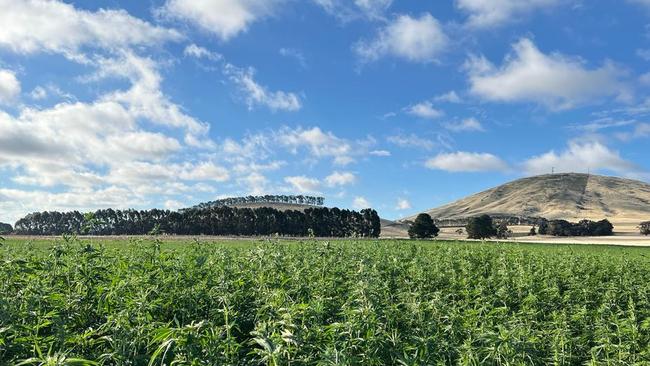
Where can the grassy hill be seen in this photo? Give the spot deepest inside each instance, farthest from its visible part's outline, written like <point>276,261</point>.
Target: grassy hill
<point>557,196</point>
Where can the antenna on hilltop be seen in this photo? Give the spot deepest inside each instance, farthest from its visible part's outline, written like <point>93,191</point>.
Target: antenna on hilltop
<point>553,170</point>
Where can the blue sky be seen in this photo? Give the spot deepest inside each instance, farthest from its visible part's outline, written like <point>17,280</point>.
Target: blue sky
<point>398,105</point>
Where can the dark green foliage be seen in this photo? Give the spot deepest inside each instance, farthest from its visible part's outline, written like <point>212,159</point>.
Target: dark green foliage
<point>644,228</point>
<point>480,227</point>
<point>5,229</point>
<point>543,227</point>
<point>532,231</point>
<point>582,228</point>
<point>502,231</point>
<point>218,220</point>
<point>324,303</point>
<point>234,201</point>
<point>423,227</point>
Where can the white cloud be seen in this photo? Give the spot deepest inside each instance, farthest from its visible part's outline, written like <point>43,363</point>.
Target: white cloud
<point>347,10</point>
<point>580,156</point>
<point>174,205</point>
<point>462,161</point>
<point>196,51</point>
<point>380,153</point>
<point>9,86</point>
<point>411,141</point>
<point>223,18</point>
<point>555,80</point>
<point>295,54</point>
<point>414,39</point>
<point>39,93</point>
<point>304,184</point>
<point>424,110</point>
<point>359,203</point>
<point>256,94</point>
<point>449,97</point>
<point>320,144</point>
<point>340,179</point>
<point>403,204</point>
<point>466,125</point>
<point>490,13</point>
<point>54,26</point>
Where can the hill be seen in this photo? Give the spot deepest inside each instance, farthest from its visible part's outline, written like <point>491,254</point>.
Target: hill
<point>569,196</point>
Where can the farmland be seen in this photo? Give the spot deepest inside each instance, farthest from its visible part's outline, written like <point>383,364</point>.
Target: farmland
<point>370,302</point>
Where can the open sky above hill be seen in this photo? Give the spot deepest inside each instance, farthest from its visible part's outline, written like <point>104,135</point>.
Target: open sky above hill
<point>398,105</point>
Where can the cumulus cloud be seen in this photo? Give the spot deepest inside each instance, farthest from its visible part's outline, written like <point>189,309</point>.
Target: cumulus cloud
<point>223,18</point>
<point>403,204</point>
<point>449,97</point>
<point>9,86</point>
<point>462,161</point>
<point>424,110</point>
<point>340,179</point>
<point>256,94</point>
<point>319,144</point>
<point>61,28</point>
<point>414,39</point>
<point>579,156</point>
<point>360,202</point>
<point>465,125</point>
<point>304,184</point>
<point>556,81</point>
<point>490,13</point>
<point>196,51</point>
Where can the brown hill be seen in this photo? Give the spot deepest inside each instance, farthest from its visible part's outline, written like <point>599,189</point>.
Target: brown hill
<point>557,196</point>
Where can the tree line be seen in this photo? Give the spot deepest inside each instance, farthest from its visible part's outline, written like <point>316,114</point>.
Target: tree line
<point>483,227</point>
<point>234,201</point>
<point>218,220</point>
<point>581,228</point>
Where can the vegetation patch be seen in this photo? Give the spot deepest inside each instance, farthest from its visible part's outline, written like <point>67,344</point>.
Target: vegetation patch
<point>323,303</point>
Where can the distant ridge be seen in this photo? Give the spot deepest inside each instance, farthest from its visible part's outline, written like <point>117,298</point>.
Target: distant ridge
<point>568,196</point>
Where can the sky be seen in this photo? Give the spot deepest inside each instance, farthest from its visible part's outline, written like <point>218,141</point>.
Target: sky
<point>399,105</point>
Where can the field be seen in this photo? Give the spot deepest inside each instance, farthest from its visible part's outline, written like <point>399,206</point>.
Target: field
<point>260,302</point>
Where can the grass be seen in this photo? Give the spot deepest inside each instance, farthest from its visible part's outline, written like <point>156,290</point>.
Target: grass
<point>151,302</point>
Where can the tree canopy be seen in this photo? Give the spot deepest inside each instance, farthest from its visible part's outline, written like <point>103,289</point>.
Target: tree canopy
<point>423,227</point>
<point>234,201</point>
<point>480,227</point>
<point>220,220</point>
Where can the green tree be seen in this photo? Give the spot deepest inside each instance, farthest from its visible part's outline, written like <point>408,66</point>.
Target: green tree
<point>423,227</point>
<point>644,228</point>
<point>480,227</point>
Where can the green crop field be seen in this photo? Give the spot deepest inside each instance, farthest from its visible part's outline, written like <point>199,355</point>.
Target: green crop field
<point>257,302</point>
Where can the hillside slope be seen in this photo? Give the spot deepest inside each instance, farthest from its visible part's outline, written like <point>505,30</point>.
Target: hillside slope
<point>567,196</point>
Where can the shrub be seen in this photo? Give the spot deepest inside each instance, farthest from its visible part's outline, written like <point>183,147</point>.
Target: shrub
<point>644,228</point>
<point>480,227</point>
<point>423,227</point>
<point>543,227</point>
<point>532,231</point>
<point>5,229</point>
<point>502,230</point>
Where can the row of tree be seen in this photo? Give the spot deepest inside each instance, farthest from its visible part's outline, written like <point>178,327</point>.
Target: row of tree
<point>482,227</point>
<point>222,220</point>
<point>581,228</point>
<point>234,201</point>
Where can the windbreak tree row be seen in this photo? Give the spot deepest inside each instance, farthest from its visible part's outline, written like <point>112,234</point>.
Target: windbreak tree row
<point>222,220</point>
<point>296,200</point>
